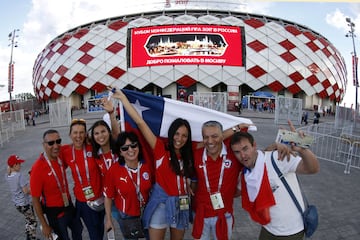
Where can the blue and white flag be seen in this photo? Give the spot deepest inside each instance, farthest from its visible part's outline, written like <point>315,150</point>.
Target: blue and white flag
<point>159,113</point>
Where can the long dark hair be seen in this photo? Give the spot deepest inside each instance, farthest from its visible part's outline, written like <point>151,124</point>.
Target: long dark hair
<point>95,145</point>
<point>186,151</point>
<point>120,141</point>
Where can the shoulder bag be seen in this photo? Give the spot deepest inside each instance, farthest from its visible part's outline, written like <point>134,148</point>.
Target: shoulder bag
<point>310,215</point>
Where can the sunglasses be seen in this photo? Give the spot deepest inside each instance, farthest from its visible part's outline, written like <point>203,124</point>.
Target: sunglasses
<point>78,120</point>
<point>126,147</point>
<point>57,141</point>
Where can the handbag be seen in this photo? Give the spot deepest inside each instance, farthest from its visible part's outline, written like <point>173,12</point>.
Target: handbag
<point>132,228</point>
<point>310,215</point>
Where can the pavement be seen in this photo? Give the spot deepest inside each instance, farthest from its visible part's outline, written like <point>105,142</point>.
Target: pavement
<point>335,194</point>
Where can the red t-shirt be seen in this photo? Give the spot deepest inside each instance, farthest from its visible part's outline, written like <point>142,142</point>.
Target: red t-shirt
<point>164,175</point>
<point>213,168</point>
<point>79,163</point>
<point>43,182</point>
<point>105,161</point>
<point>120,186</point>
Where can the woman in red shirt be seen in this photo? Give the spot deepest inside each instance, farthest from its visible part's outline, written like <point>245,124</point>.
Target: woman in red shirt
<point>128,182</point>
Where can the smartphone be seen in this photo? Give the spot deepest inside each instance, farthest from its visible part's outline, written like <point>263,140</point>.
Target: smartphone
<point>289,137</point>
<point>111,234</point>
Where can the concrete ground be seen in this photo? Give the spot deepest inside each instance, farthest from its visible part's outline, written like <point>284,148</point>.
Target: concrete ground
<point>335,194</point>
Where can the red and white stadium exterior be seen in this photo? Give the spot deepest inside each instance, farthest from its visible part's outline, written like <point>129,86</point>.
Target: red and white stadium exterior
<point>280,56</point>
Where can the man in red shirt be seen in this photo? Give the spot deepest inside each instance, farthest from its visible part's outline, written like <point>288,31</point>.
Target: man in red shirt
<point>50,191</point>
<point>217,172</point>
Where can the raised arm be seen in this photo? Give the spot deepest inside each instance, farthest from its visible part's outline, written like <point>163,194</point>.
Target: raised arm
<point>109,108</point>
<point>227,133</point>
<point>309,163</point>
<point>135,116</point>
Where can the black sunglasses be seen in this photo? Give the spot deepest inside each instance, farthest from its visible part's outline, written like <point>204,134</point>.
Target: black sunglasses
<point>57,141</point>
<point>126,147</point>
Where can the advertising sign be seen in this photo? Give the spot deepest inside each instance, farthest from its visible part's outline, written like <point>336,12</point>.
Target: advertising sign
<point>186,44</point>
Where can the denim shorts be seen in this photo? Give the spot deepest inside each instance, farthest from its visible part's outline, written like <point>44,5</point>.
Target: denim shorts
<point>158,219</point>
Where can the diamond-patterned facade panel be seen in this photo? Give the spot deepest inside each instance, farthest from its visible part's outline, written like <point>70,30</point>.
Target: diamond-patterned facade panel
<point>116,72</point>
<point>81,33</point>
<point>86,47</point>
<point>81,90</point>
<point>287,44</point>
<point>255,23</point>
<point>117,25</point>
<point>294,88</point>
<point>288,57</point>
<point>293,30</point>
<point>296,76</point>
<point>85,59</point>
<point>63,81</point>
<point>312,46</point>
<point>278,55</point>
<point>186,81</point>
<point>79,78</point>
<point>276,86</point>
<point>257,46</point>
<point>256,71</point>
<point>115,47</point>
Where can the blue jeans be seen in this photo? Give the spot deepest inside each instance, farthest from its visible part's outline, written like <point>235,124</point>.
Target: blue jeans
<point>93,220</point>
<point>60,219</point>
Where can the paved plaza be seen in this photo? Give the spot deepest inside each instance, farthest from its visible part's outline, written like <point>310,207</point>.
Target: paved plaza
<point>335,194</point>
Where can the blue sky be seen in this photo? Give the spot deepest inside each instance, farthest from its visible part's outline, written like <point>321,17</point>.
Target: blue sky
<point>40,21</point>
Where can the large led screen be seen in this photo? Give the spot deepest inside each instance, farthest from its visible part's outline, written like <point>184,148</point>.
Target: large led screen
<point>186,44</point>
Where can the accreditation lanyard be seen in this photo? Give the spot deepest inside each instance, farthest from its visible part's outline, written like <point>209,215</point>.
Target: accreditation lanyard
<point>86,166</point>
<point>206,175</point>
<point>137,184</point>
<point>62,189</point>
<point>178,180</point>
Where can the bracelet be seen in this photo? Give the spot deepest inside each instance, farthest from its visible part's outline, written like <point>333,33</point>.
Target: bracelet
<point>111,112</point>
<point>234,129</point>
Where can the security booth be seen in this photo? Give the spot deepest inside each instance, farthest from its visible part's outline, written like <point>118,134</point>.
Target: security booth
<point>259,101</point>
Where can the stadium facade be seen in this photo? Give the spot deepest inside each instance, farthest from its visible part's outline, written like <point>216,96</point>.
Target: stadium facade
<point>175,52</point>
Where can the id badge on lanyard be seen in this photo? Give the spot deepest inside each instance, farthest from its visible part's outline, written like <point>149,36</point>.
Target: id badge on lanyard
<point>215,198</point>
<point>88,192</point>
<point>184,202</point>
<point>217,201</point>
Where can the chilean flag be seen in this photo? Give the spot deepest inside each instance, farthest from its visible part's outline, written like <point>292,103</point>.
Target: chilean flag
<point>159,113</point>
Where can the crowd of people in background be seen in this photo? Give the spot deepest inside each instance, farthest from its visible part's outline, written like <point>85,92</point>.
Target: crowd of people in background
<point>263,105</point>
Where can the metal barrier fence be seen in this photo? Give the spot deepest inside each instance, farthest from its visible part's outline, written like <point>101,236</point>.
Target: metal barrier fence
<point>336,145</point>
<point>11,122</point>
<point>213,100</point>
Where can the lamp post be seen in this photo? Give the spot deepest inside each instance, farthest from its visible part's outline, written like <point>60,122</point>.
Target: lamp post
<point>354,61</point>
<point>13,43</point>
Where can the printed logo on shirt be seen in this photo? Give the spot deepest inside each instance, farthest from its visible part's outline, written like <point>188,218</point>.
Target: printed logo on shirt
<point>123,179</point>
<point>201,166</point>
<point>273,186</point>
<point>89,154</point>
<point>146,176</point>
<point>227,163</point>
